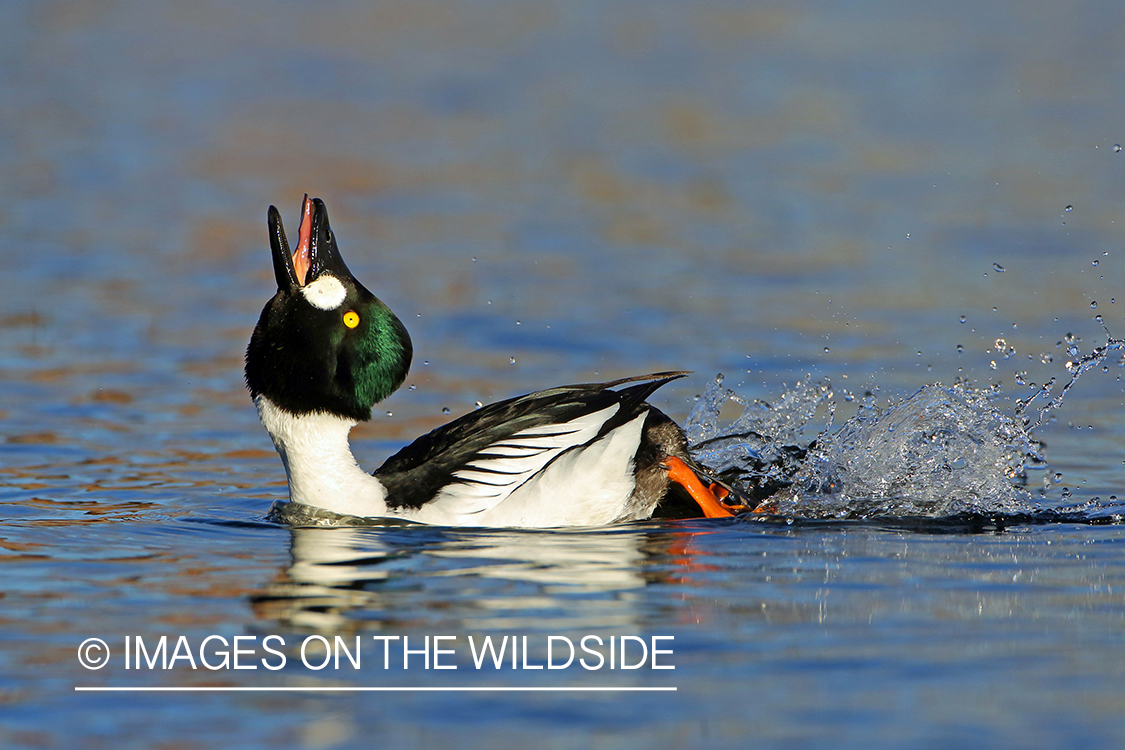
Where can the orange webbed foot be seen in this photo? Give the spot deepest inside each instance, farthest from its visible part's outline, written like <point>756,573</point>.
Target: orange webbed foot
<point>680,473</point>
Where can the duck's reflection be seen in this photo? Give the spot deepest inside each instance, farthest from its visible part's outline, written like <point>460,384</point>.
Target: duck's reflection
<point>331,572</point>
<point>342,579</point>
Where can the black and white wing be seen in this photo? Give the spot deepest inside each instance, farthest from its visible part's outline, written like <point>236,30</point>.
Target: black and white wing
<point>556,457</point>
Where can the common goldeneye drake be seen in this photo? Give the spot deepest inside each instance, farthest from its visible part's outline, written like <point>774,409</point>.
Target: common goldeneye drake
<point>326,350</point>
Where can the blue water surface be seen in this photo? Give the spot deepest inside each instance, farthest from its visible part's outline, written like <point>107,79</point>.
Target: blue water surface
<point>879,195</point>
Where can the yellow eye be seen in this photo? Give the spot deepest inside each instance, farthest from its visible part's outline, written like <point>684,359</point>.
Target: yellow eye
<point>351,319</point>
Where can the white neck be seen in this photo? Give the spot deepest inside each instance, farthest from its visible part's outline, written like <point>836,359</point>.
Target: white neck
<point>319,464</point>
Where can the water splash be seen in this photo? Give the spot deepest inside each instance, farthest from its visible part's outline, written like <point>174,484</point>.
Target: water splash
<point>1077,365</point>
<point>944,451</point>
<point>761,449</point>
<point>940,452</point>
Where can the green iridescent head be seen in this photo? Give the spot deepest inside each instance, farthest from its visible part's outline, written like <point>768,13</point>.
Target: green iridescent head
<point>323,343</point>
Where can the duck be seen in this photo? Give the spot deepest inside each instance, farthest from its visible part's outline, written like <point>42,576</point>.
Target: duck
<point>326,350</point>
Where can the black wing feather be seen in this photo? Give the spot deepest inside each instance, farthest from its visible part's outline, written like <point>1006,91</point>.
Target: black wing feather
<point>418,472</point>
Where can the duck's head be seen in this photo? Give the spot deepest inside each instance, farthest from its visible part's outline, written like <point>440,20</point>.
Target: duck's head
<point>324,344</point>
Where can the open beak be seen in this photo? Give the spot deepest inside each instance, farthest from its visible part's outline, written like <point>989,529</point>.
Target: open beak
<point>316,253</point>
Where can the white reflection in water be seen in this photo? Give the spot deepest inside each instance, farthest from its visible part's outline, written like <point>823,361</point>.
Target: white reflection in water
<point>344,578</point>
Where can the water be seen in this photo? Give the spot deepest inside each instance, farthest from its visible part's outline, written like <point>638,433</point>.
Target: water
<point>784,194</point>
<point>943,451</point>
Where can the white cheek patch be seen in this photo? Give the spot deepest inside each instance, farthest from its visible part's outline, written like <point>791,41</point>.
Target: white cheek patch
<point>326,293</point>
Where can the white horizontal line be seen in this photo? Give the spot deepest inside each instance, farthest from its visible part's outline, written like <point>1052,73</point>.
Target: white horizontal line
<point>360,689</point>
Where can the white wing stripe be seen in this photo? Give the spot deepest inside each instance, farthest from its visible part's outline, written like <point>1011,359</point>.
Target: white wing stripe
<point>500,450</point>
<point>576,425</point>
<point>501,468</point>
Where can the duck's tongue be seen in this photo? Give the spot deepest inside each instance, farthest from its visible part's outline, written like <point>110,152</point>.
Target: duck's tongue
<point>302,256</point>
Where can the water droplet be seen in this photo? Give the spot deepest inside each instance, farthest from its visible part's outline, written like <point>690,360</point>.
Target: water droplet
<point>474,259</point>
<point>1066,493</point>
<point>1093,262</point>
<point>390,414</point>
<point>425,362</point>
<point>1001,345</point>
<point>992,364</point>
<point>517,322</point>
<point>962,318</point>
<point>1098,318</point>
<point>1056,477</point>
<point>826,350</point>
<point>960,348</point>
<point>1068,209</point>
<point>479,405</point>
<point>1093,304</point>
<point>511,360</point>
<point>997,268</point>
<point>1046,358</point>
<point>445,410</point>
<point>411,387</point>
<point>919,353</point>
<point>1117,148</point>
<point>1021,378</point>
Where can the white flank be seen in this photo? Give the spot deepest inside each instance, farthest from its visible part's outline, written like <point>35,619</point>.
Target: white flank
<point>319,464</point>
<point>326,293</point>
<point>533,479</point>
